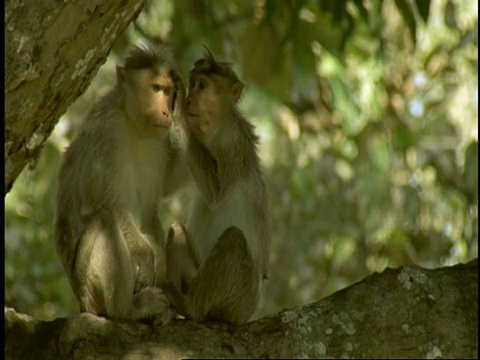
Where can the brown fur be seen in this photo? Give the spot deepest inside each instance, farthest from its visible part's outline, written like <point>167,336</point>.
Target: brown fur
<point>112,179</point>
<point>228,230</point>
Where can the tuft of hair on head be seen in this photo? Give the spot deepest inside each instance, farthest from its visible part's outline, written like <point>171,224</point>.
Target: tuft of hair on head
<point>209,65</point>
<point>144,56</point>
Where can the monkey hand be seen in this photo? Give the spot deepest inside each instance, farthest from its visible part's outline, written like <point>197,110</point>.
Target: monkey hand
<point>166,318</point>
<point>151,304</point>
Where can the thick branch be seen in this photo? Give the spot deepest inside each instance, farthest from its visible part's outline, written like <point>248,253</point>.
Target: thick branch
<point>52,51</point>
<point>407,313</point>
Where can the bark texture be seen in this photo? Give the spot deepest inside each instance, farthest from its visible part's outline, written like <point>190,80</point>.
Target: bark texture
<point>408,312</point>
<point>52,51</point>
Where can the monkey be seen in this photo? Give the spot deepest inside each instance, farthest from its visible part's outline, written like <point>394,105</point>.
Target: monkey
<point>216,264</point>
<point>112,180</point>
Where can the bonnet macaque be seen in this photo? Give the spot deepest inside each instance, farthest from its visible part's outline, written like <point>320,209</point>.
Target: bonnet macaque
<point>113,177</point>
<point>216,264</point>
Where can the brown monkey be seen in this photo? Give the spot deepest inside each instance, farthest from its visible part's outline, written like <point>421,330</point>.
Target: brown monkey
<point>217,264</point>
<point>112,179</point>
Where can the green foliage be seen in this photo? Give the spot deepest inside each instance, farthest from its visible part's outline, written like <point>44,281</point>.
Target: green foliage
<point>367,114</point>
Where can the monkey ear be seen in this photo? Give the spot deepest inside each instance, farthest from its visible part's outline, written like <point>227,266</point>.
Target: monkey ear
<point>120,74</point>
<point>237,90</point>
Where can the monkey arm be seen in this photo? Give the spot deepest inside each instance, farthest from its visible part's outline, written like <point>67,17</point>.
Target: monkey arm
<point>214,168</point>
<point>204,170</point>
<point>177,173</point>
<point>202,165</point>
<point>176,299</point>
<point>179,106</point>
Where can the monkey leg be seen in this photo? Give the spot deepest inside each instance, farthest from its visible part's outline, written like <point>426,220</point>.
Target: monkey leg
<point>226,287</point>
<point>176,299</point>
<point>104,276</point>
<point>149,262</point>
<point>152,304</point>
<point>182,263</point>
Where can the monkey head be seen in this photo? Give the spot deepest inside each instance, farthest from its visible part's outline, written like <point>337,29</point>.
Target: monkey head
<point>214,89</point>
<point>148,82</point>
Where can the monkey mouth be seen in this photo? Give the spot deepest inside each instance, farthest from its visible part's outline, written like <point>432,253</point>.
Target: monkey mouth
<point>161,126</point>
<point>192,115</point>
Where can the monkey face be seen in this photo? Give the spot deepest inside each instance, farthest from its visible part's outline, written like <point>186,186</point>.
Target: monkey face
<point>209,103</point>
<point>149,97</point>
<point>203,103</point>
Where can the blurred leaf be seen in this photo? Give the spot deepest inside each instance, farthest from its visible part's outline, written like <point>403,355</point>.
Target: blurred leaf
<point>293,21</point>
<point>339,11</point>
<point>336,8</point>
<point>352,120</point>
<point>423,7</point>
<point>403,137</point>
<point>258,56</point>
<point>407,14</point>
<point>361,8</point>
<point>343,251</point>
<point>270,10</point>
<point>381,154</point>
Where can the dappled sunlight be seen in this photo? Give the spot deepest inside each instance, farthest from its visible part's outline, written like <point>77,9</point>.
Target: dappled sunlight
<point>368,142</point>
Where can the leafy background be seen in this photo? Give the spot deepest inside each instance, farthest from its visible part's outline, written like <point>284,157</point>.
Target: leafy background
<point>367,114</point>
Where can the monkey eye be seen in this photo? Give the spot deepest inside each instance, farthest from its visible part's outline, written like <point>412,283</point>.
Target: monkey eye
<point>156,87</point>
<point>202,85</point>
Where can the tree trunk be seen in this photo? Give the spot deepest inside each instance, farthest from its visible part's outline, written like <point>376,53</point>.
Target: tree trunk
<point>53,49</point>
<point>408,312</point>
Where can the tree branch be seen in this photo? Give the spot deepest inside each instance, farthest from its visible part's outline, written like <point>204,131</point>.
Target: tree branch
<point>53,49</point>
<point>408,312</point>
